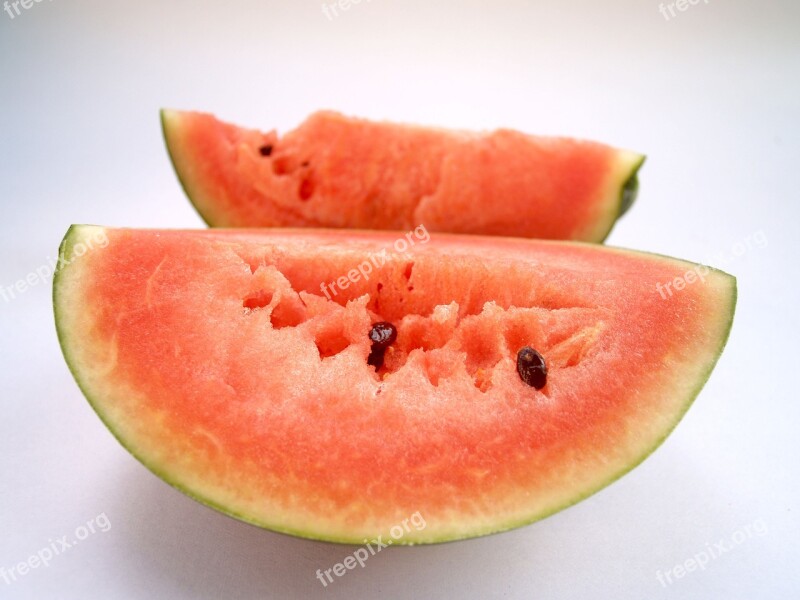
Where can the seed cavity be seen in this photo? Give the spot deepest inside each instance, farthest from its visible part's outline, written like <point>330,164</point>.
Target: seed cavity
<point>531,367</point>
<point>383,334</point>
<point>306,189</point>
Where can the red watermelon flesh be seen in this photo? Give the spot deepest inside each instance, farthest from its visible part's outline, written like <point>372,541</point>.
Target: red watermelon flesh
<point>340,172</point>
<point>217,359</point>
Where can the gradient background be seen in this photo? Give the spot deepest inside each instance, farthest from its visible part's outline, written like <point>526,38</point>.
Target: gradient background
<point>712,96</point>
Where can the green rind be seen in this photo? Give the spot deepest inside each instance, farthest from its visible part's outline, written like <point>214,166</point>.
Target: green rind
<point>630,189</point>
<point>66,246</point>
<point>168,131</point>
<point>629,192</point>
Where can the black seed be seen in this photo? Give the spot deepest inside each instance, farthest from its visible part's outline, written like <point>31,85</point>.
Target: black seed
<point>382,335</point>
<point>265,150</point>
<point>375,358</point>
<point>531,367</point>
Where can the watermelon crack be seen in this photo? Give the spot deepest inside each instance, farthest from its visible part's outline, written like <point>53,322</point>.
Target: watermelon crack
<point>482,346</point>
<point>461,341</point>
<point>259,299</point>
<point>331,342</point>
<point>285,163</point>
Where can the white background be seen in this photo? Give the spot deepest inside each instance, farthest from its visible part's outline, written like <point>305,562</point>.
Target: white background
<point>711,95</point>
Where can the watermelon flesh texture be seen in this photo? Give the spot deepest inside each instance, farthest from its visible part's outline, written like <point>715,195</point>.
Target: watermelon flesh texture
<point>215,358</point>
<point>340,172</point>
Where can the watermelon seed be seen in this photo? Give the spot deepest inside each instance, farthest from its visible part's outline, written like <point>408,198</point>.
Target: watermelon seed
<point>382,335</point>
<point>375,358</point>
<point>531,367</point>
<point>265,150</point>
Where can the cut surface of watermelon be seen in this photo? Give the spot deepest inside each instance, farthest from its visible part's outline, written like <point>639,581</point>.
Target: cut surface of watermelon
<point>234,365</point>
<point>341,172</point>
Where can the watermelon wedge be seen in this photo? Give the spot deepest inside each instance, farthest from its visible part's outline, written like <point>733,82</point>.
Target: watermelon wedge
<point>240,366</point>
<point>340,172</point>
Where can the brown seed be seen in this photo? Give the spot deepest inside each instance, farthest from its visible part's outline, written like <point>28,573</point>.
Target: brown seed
<point>265,150</point>
<point>531,367</point>
<point>382,335</point>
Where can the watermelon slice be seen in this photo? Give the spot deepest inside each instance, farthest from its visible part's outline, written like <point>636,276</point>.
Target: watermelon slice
<point>335,171</point>
<point>238,365</point>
